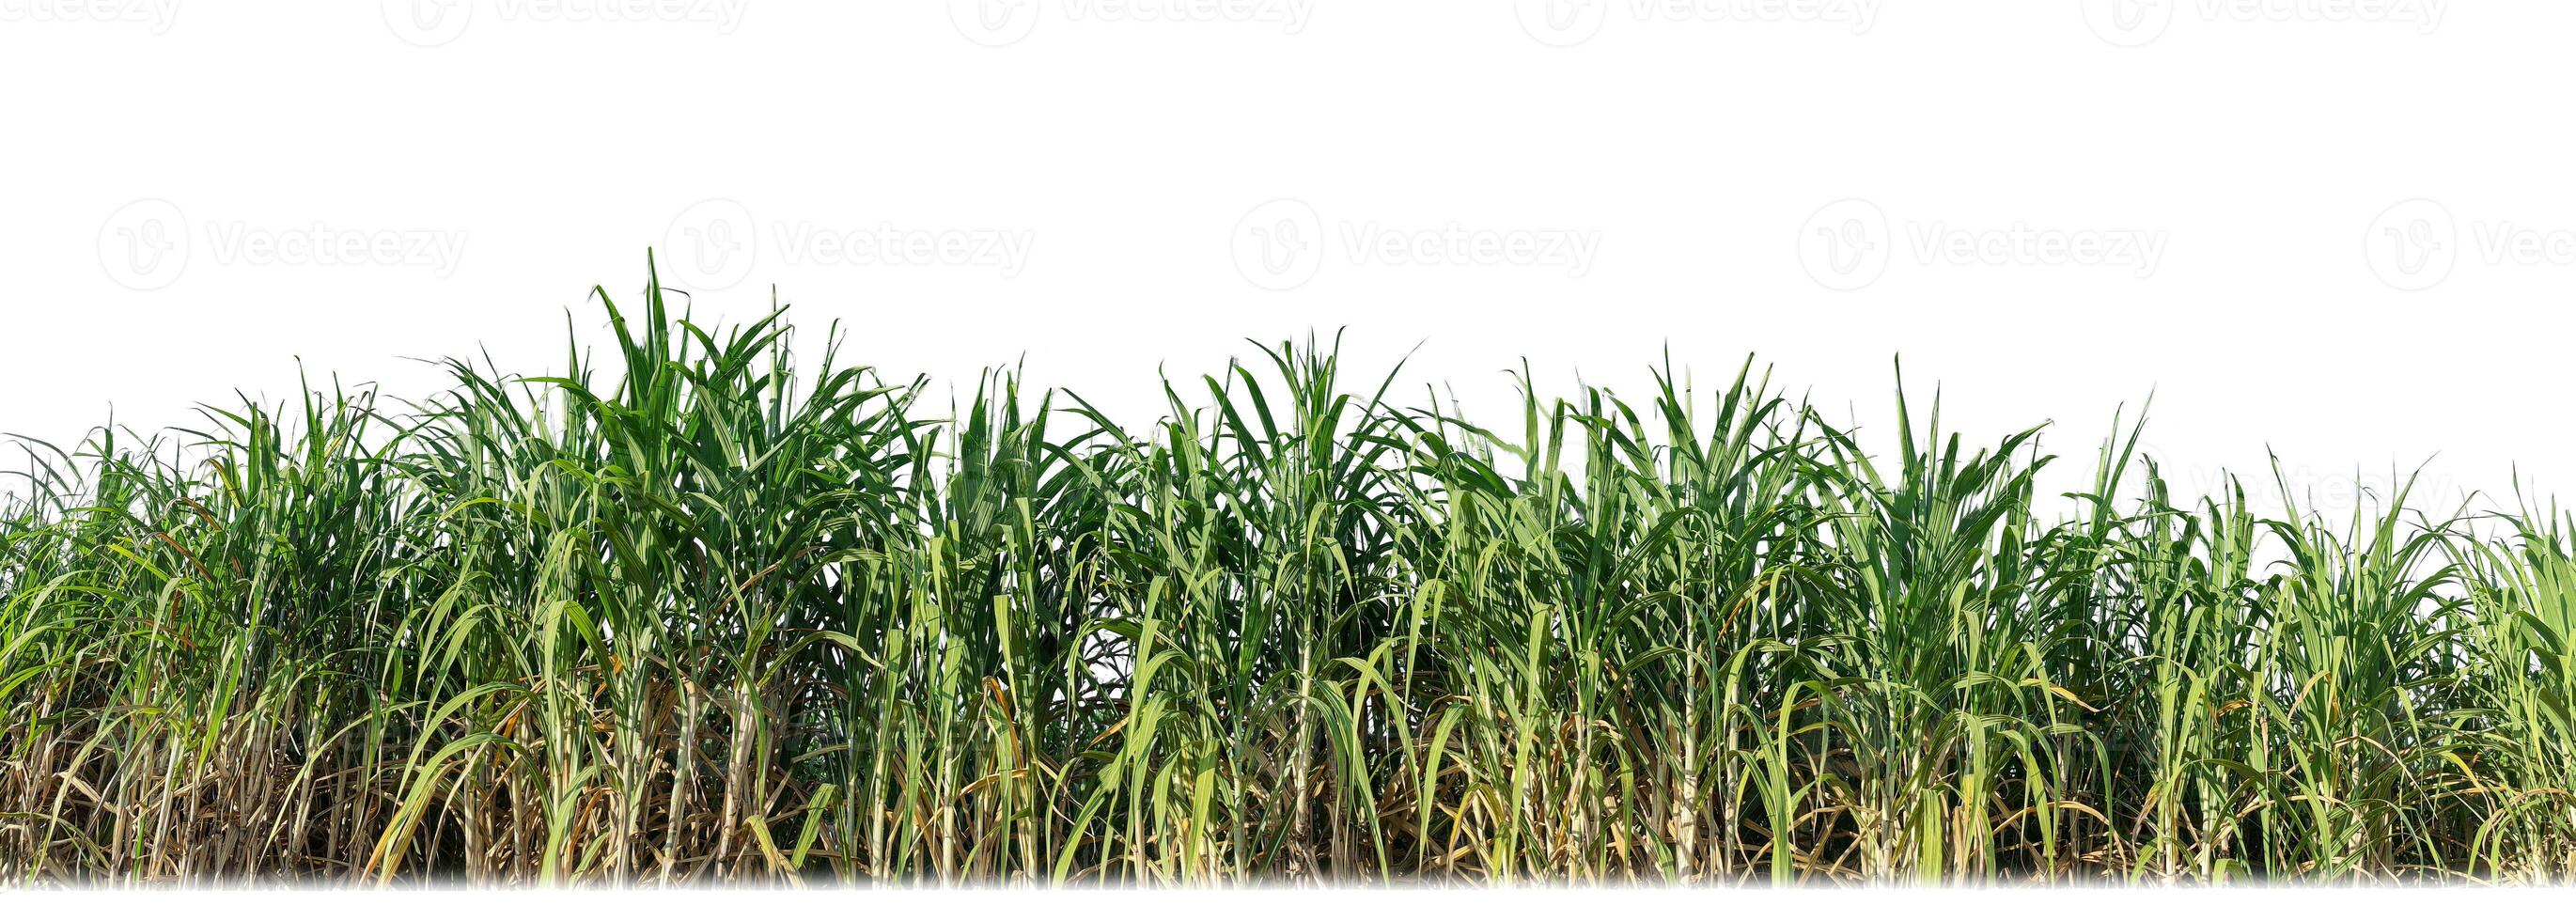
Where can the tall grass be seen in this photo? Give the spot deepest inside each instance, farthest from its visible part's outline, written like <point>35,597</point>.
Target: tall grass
<point>708,612</point>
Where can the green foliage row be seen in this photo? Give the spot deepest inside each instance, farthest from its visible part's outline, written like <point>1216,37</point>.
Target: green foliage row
<point>694,616</point>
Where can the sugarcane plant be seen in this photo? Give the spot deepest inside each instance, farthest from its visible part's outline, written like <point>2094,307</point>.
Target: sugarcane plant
<point>701,608</point>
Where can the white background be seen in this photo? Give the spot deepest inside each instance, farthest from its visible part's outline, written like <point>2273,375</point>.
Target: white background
<point>151,156</point>
<point>2360,211</point>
